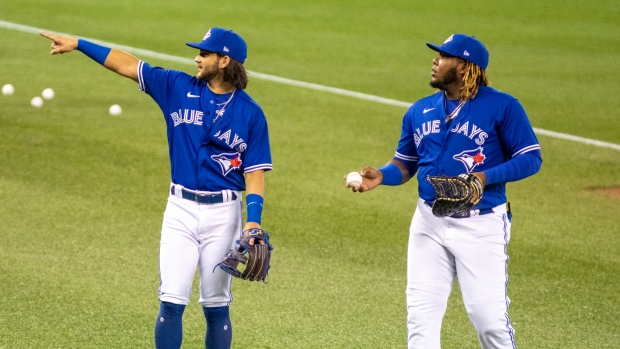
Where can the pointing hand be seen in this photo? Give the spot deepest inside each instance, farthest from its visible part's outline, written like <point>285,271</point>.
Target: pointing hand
<point>61,44</point>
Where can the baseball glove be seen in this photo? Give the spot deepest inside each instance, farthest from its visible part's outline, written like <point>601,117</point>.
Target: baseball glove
<point>455,195</point>
<point>255,257</point>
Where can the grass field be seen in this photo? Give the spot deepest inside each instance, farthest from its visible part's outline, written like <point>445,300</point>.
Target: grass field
<point>82,193</point>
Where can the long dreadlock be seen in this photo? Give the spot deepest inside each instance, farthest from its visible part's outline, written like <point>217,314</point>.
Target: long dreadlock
<point>474,78</point>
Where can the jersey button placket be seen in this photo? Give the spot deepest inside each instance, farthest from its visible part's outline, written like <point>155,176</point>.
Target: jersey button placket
<point>441,159</point>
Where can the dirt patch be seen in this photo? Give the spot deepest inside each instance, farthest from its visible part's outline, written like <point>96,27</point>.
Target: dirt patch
<point>612,192</point>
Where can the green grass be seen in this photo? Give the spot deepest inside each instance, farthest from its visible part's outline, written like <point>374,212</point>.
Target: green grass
<point>82,193</point>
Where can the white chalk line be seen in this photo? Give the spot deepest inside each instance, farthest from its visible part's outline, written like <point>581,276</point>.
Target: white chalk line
<point>317,87</point>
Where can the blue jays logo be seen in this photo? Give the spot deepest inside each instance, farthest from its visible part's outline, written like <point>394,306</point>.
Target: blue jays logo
<point>471,158</point>
<point>207,35</point>
<point>228,162</point>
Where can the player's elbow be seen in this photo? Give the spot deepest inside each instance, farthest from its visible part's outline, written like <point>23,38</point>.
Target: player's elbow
<point>123,64</point>
<point>128,71</point>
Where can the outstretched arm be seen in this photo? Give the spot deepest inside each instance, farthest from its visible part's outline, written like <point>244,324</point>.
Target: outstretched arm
<point>115,60</point>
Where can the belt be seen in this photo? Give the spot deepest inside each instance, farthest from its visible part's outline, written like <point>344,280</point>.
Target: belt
<point>465,214</point>
<point>203,197</point>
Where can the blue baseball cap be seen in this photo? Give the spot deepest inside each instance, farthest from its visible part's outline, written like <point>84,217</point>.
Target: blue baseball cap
<point>466,47</point>
<point>223,41</point>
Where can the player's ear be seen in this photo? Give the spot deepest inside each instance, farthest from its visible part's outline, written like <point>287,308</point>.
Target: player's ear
<point>224,62</point>
<point>462,67</point>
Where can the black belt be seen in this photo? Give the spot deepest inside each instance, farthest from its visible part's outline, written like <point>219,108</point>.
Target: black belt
<point>202,198</point>
<point>465,214</point>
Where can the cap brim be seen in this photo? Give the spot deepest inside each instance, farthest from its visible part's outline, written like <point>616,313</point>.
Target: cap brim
<point>201,46</point>
<point>435,47</point>
<point>194,45</point>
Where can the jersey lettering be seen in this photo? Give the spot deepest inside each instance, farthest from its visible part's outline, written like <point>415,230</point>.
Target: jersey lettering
<point>237,143</point>
<point>474,131</point>
<point>224,137</point>
<point>427,128</point>
<point>187,116</point>
<point>481,138</point>
<point>464,129</point>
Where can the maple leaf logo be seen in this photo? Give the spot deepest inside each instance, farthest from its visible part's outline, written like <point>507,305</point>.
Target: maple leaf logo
<point>236,162</point>
<point>479,158</point>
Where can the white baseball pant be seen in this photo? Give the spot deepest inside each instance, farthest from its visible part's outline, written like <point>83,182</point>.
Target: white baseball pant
<point>472,249</point>
<point>197,235</point>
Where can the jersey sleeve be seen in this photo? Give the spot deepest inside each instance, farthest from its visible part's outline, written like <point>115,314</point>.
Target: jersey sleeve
<point>156,82</point>
<point>516,132</point>
<point>258,154</point>
<point>406,152</point>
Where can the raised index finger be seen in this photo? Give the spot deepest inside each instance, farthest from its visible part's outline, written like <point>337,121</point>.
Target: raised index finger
<point>47,35</point>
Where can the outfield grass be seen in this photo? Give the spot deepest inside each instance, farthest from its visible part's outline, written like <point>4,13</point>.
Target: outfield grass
<point>82,193</point>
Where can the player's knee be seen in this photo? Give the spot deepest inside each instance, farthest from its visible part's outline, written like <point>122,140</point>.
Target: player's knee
<point>169,326</point>
<point>492,330</point>
<point>499,336</point>
<point>171,309</point>
<point>219,328</point>
<point>425,305</point>
<point>216,314</point>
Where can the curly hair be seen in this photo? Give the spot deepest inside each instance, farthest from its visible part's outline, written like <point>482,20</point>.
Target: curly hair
<point>472,80</point>
<point>235,74</point>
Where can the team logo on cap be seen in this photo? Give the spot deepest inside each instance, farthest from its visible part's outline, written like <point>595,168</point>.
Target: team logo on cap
<point>207,35</point>
<point>449,39</point>
<point>471,158</point>
<point>227,162</point>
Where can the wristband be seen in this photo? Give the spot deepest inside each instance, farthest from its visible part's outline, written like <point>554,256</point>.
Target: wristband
<point>254,204</point>
<point>96,52</point>
<point>391,175</point>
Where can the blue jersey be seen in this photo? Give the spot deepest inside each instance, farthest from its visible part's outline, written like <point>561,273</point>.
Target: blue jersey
<point>211,144</point>
<point>488,131</point>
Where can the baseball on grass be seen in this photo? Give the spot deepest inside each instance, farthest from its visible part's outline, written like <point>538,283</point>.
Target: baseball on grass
<point>354,180</point>
<point>115,110</point>
<point>48,93</point>
<point>36,102</point>
<point>8,90</point>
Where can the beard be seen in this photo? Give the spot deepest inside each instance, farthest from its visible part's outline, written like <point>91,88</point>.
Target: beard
<point>448,79</point>
<point>210,74</point>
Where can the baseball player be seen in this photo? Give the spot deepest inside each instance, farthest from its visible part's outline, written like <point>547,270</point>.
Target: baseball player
<point>219,146</point>
<point>467,127</point>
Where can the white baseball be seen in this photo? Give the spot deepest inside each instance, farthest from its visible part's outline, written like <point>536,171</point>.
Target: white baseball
<point>48,93</point>
<point>354,180</point>
<point>115,110</point>
<point>36,102</point>
<point>8,90</point>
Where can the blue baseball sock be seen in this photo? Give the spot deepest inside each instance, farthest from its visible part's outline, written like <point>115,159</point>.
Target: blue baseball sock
<point>169,326</point>
<point>219,328</point>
